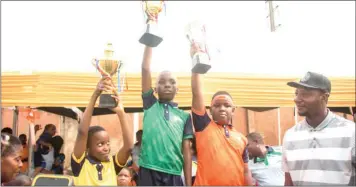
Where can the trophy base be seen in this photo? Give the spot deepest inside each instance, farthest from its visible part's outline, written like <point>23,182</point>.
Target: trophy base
<point>150,38</point>
<point>201,63</point>
<point>106,101</point>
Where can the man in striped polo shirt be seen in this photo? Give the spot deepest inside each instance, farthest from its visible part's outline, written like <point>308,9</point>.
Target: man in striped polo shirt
<point>320,149</point>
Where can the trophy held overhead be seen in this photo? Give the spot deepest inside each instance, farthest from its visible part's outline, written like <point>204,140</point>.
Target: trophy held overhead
<point>196,34</point>
<point>152,9</point>
<point>108,65</point>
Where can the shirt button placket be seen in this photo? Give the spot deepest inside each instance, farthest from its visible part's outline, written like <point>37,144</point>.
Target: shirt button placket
<point>166,113</point>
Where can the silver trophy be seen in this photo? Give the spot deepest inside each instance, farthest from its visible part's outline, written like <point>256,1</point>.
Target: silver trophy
<point>196,34</point>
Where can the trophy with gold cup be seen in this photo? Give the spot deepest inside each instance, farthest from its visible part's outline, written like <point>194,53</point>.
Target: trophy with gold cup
<point>152,9</point>
<point>196,34</point>
<point>108,66</point>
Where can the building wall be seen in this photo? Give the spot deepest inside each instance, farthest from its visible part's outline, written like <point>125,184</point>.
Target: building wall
<point>244,120</point>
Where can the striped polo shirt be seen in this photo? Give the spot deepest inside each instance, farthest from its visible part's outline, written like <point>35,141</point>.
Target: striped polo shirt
<point>321,155</point>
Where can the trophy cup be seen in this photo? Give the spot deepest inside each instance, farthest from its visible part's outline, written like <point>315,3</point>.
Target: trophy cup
<point>152,9</point>
<point>107,66</point>
<point>196,34</point>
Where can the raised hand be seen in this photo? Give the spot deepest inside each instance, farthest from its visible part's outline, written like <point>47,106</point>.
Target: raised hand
<point>105,84</point>
<point>120,107</point>
<point>194,48</point>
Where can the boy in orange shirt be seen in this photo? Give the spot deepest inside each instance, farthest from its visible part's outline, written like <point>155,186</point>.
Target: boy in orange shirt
<point>221,150</point>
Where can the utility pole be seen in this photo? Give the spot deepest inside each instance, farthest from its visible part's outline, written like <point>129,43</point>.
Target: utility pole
<point>271,15</point>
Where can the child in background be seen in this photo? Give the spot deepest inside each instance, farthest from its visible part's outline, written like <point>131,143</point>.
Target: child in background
<point>24,156</point>
<point>126,177</point>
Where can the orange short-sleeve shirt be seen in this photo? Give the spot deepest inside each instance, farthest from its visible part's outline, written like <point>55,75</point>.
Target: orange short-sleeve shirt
<point>221,153</point>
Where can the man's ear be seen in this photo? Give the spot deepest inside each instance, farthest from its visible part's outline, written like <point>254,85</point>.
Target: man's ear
<point>233,110</point>
<point>326,97</point>
<point>177,89</point>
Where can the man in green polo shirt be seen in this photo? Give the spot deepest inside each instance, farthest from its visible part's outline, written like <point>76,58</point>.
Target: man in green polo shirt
<point>167,131</point>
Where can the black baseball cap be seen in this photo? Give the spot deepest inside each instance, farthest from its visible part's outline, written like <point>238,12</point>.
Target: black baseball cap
<point>313,81</point>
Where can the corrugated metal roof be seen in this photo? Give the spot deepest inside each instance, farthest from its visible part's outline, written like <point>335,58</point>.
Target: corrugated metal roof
<point>75,89</point>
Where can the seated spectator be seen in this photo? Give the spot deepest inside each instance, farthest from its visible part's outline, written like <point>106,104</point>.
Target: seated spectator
<point>57,143</point>
<point>24,156</point>
<point>10,158</point>
<point>58,165</point>
<point>6,130</point>
<point>44,154</point>
<point>20,180</point>
<point>265,162</point>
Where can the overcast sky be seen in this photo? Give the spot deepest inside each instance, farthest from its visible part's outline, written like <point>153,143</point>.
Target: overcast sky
<point>64,36</point>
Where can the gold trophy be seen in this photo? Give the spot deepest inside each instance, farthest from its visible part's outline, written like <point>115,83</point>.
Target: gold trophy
<point>196,34</point>
<point>107,66</point>
<point>152,9</point>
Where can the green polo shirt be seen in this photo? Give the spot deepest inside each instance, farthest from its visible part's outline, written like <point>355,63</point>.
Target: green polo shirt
<point>164,128</point>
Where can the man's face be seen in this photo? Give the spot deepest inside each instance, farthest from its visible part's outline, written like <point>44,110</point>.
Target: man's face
<point>222,109</point>
<point>309,101</point>
<point>166,86</point>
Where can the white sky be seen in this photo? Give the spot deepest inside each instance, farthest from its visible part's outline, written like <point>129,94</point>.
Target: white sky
<point>64,36</point>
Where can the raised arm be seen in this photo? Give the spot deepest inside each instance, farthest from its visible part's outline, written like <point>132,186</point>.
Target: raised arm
<point>146,70</point>
<point>197,86</point>
<point>81,141</point>
<point>125,151</point>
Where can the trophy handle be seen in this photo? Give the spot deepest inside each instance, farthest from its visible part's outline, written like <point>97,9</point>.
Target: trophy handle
<point>95,63</point>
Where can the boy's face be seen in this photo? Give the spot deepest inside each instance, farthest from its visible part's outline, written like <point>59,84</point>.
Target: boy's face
<point>166,86</point>
<point>11,164</point>
<point>100,146</point>
<point>222,109</point>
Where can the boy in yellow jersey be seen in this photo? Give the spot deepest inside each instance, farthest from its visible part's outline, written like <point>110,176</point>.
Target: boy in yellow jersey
<point>92,164</point>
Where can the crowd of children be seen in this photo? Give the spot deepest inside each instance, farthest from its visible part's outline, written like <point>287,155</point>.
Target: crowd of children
<point>176,148</point>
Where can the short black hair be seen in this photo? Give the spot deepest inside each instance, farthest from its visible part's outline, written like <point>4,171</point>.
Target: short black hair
<point>14,143</point>
<point>92,130</point>
<point>57,143</point>
<point>139,132</point>
<point>7,130</point>
<point>221,93</point>
<point>23,135</point>
<point>48,126</point>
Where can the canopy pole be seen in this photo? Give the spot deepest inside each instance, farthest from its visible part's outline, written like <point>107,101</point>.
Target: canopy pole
<point>15,121</point>
<point>279,125</point>
<point>135,124</point>
<point>31,144</point>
